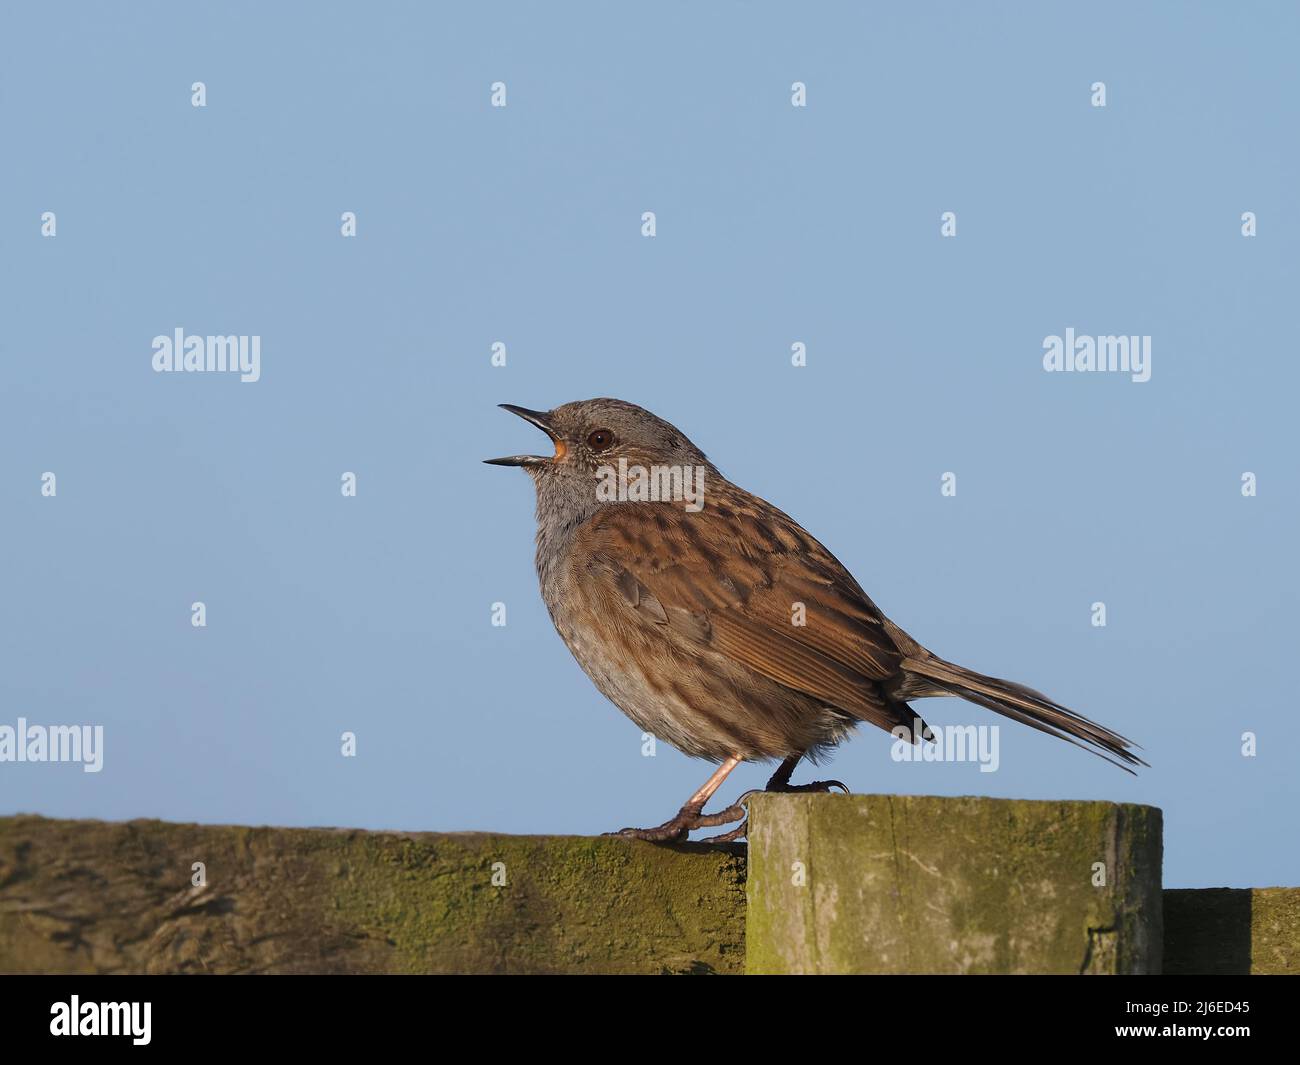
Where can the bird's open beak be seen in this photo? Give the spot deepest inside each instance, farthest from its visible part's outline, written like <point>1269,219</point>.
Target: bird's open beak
<point>541,419</point>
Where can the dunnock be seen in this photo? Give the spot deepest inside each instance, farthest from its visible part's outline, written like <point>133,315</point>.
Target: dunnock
<point>716,623</point>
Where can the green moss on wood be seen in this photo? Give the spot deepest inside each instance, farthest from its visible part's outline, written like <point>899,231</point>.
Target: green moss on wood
<point>86,896</point>
<point>893,884</point>
<point>917,884</point>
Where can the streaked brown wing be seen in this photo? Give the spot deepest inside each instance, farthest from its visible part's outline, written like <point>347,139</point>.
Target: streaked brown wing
<point>728,579</point>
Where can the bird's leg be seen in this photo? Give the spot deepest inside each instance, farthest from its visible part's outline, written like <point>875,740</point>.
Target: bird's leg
<point>781,779</point>
<point>691,816</point>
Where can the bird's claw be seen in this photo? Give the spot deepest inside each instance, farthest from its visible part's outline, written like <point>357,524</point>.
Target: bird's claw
<point>741,829</point>
<point>819,786</point>
<point>679,828</point>
<point>736,833</point>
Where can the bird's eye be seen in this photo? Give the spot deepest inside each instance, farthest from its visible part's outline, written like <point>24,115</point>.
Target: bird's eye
<point>600,439</point>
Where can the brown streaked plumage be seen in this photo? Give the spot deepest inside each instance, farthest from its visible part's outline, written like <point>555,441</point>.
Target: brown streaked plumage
<point>684,617</point>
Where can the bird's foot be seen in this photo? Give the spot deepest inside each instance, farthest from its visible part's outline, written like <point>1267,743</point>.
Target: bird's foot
<point>816,785</point>
<point>739,832</point>
<point>689,818</point>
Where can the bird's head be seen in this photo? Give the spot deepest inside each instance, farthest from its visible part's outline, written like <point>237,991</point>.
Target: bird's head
<point>599,439</point>
<point>590,434</point>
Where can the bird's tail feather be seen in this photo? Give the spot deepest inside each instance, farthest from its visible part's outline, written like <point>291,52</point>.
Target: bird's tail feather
<point>1027,706</point>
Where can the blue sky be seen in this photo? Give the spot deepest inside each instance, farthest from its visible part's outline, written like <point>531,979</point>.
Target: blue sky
<point>522,225</point>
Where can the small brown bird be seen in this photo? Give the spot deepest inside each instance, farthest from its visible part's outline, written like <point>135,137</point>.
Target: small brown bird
<point>681,595</point>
